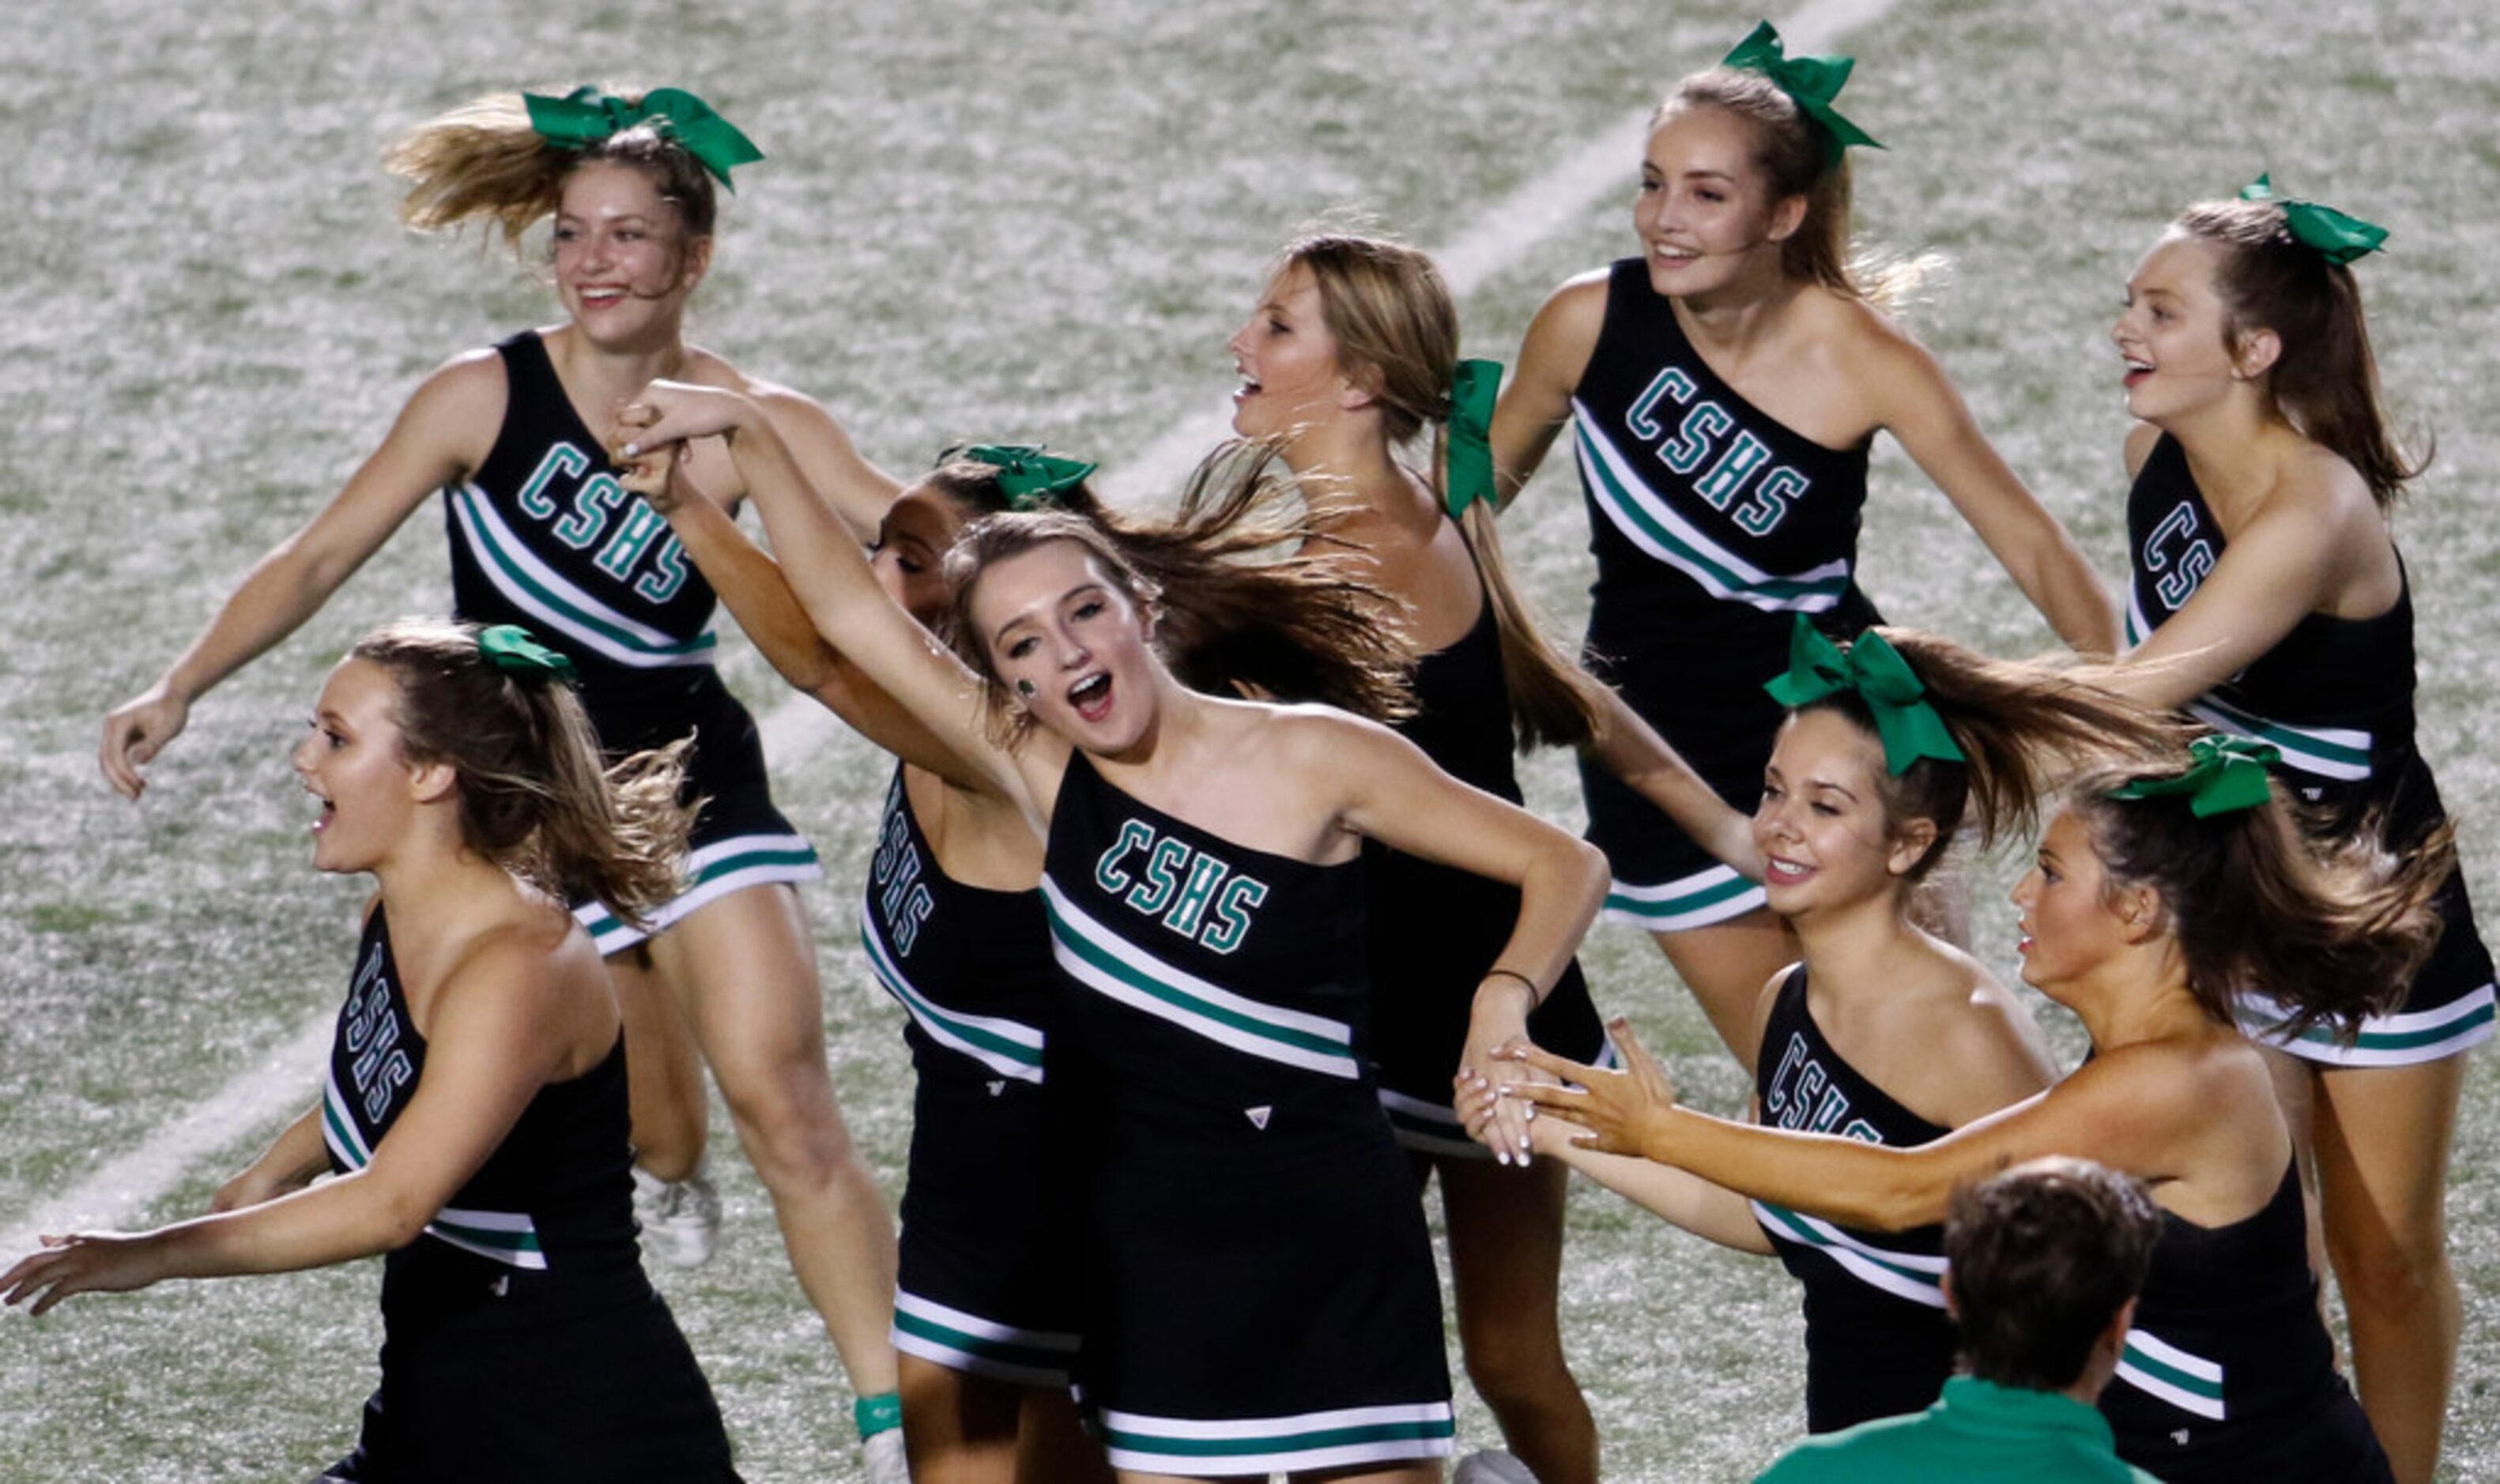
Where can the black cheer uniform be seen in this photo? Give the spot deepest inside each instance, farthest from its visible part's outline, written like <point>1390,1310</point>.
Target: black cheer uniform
<point>1260,1294</point>
<point>545,536</point>
<point>2228,1373</point>
<point>2336,697</point>
<point>1434,931</point>
<point>1712,526</point>
<point>520,1339</point>
<point>987,1282</point>
<point>1878,1342</point>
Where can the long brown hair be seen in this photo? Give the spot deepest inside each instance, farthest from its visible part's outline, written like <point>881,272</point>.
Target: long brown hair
<point>532,797</point>
<point>2330,928</point>
<point>2325,381</point>
<point>483,161</point>
<point>2023,727</point>
<point>1233,612</point>
<point>1396,326</point>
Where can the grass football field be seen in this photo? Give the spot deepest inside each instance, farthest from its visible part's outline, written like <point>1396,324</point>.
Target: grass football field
<point>1036,222</point>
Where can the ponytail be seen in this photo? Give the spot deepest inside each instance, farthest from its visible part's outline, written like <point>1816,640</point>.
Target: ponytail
<point>532,795</point>
<point>2022,726</point>
<point>2325,381</point>
<point>2331,930</point>
<point>485,162</point>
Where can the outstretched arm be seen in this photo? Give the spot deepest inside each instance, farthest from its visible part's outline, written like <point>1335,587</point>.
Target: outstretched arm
<point>826,569</point>
<point>435,442</point>
<point>1712,1212</point>
<point>498,1035</point>
<point>1924,409</point>
<point>2127,1109</point>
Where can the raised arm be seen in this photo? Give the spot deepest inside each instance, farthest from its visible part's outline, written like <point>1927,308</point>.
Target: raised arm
<point>858,490</point>
<point>751,584</point>
<point>440,435</point>
<point>1536,401</point>
<point>499,1032</point>
<point>1923,410</point>
<point>826,567</point>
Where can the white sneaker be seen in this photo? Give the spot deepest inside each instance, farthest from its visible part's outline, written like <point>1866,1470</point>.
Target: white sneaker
<point>681,1219</point>
<point>1491,1466</point>
<point>884,1456</point>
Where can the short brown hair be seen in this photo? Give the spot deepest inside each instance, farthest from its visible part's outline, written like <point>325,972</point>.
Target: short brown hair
<point>2041,1256</point>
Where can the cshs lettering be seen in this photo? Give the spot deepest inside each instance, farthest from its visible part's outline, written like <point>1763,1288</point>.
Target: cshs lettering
<point>1709,447</point>
<point>585,511</point>
<point>381,1064</point>
<point>1190,892</point>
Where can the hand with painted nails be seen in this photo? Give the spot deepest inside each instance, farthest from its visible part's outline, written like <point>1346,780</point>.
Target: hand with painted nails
<point>83,1262</point>
<point>1499,1021</point>
<point>1617,1112</point>
<point>665,412</point>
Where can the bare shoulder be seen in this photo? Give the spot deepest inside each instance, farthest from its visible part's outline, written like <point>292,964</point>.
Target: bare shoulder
<point>2140,441</point>
<point>469,388</point>
<point>2319,490</point>
<point>1574,312</point>
<point>1880,350</point>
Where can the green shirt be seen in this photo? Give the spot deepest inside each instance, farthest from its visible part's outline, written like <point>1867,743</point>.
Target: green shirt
<point>1977,1430</point>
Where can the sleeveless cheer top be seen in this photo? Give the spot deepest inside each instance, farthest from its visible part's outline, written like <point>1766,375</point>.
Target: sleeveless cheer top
<point>553,1197</point>
<point>1878,1342</point>
<point>971,965</point>
<point>2336,695</point>
<point>2228,1350</point>
<point>1153,920</point>
<point>1432,931</point>
<point>545,536</point>
<point>1703,507</point>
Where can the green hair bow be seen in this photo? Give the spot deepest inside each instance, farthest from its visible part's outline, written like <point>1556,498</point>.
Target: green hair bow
<point>1908,723</point>
<point>1810,82</point>
<point>2323,230</point>
<point>2224,774</point>
<point>1028,477</point>
<point>510,649</point>
<point>1469,474</point>
<point>587,115</point>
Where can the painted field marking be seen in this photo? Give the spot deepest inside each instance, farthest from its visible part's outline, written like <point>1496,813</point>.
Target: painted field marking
<point>289,1077</point>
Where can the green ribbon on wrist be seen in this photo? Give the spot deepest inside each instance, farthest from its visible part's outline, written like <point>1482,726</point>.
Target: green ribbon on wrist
<point>1810,82</point>
<point>514,651</point>
<point>2224,774</point>
<point>1028,477</point>
<point>587,115</point>
<point>1468,473</point>
<point>2323,230</point>
<point>1908,723</point>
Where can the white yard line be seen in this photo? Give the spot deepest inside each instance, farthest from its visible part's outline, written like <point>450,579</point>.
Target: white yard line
<point>288,1077</point>
<point>285,1079</point>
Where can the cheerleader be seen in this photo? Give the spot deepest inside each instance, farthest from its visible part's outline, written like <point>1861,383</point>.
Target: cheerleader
<point>1724,387</point>
<point>544,534</point>
<point>1260,1295</point>
<point>475,1113</point>
<point>2268,599</point>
